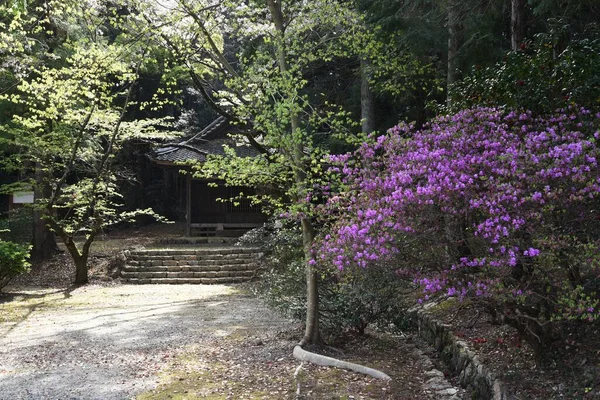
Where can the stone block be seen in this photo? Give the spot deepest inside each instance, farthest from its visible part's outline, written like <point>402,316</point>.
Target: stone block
<point>157,269</point>
<point>159,280</point>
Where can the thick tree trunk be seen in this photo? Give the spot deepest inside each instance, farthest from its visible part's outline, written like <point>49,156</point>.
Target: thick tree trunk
<point>44,242</point>
<point>367,102</point>
<point>455,41</point>
<point>311,334</point>
<point>81,271</point>
<point>517,24</point>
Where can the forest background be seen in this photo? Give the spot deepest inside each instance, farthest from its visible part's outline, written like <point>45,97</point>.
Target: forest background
<point>486,191</point>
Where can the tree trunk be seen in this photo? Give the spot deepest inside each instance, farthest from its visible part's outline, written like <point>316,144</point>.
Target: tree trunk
<point>44,242</point>
<point>311,334</point>
<point>517,25</point>
<point>455,41</point>
<point>79,258</point>
<point>367,103</point>
<point>81,270</point>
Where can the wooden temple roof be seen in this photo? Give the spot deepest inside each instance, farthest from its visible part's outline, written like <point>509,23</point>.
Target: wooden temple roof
<point>211,140</point>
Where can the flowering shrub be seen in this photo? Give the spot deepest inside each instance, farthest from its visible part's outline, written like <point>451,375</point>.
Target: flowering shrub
<point>498,206</point>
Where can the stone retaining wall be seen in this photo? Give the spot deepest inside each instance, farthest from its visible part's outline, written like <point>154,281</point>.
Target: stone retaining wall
<point>473,375</point>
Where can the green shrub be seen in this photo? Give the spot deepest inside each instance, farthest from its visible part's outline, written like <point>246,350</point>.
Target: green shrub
<point>282,285</point>
<point>17,225</point>
<point>349,301</point>
<point>13,261</point>
<point>547,73</point>
<point>357,298</point>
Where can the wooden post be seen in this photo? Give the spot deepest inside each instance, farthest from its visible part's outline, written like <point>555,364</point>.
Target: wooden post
<point>189,206</point>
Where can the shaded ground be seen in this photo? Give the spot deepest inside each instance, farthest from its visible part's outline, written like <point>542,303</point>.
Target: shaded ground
<point>186,342</point>
<point>570,370</point>
<point>263,368</point>
<point>109,342</point>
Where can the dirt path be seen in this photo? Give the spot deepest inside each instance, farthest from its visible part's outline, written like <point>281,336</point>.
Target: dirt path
<point>109,342</point>
<point>181,342</point>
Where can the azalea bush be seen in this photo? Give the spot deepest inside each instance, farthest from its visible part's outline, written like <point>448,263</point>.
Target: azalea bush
<point>499,206</point>
<point>353,300</point>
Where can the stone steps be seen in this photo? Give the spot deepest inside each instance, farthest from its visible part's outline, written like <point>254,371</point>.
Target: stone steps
<point>187,275</point>
<point>195,251</point>
<point>191,268</point>
<point>195,281</point>
<point>198,240</point>
<point>191,262</point>
<point>191,265</point>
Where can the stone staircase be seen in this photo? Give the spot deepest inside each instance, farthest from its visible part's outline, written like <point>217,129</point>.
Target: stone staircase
<point>192,265</point>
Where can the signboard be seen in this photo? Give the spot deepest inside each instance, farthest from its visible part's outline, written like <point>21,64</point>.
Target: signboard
<point>22,197</point>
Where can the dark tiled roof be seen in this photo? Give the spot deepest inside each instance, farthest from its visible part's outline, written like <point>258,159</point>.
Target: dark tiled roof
<point>209,141</point>
<point>215,146</point>
<point>177,154</point>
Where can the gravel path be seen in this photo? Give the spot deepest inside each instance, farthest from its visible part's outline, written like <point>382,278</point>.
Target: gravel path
<point>99,342</point>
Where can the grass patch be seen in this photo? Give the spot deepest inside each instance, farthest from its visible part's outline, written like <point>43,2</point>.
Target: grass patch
<point>15,307</point>
<point>190,379</point>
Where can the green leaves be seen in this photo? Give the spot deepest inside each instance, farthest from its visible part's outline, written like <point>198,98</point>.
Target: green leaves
<point>69,124</point>
<point>541,76</point>
<point>271,95</point>
<point>13,261</point>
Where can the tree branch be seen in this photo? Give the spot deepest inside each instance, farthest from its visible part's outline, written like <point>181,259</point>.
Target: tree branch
<point>72,158</point>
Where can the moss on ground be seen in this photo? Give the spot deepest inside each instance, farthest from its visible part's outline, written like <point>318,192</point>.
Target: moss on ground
<point>15,308</point>
<point>225,377</point>
<point>189,379</point>
<point>450,304</point>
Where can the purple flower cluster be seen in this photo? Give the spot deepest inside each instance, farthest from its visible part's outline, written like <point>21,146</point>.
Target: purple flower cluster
<point>508,176</point>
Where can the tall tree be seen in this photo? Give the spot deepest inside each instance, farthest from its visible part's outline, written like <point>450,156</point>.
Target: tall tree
<point>311,334</point>
<point>70,123</point>
<point>517,23</point>
<point>29,35</point>
<point>268,89</point>
<point>367,100</point>
<point>455,39</point>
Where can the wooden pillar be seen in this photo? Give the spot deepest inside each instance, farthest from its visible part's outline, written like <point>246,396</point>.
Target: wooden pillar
<point>189,206</point>
<point>167,188</point>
